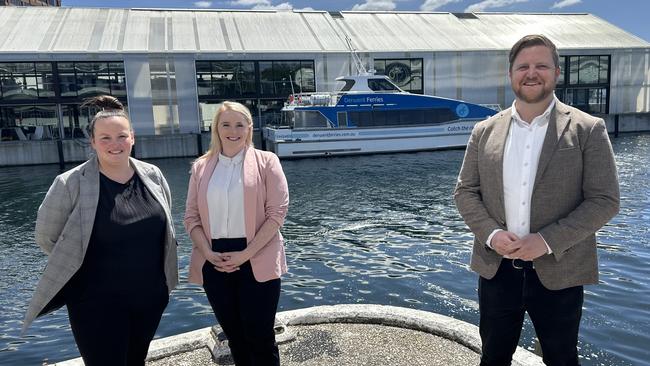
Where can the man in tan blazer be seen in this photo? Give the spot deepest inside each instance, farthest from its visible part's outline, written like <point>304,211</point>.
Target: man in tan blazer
<point>538,180</point>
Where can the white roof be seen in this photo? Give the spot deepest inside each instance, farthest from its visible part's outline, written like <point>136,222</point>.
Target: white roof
<point>95,30</point>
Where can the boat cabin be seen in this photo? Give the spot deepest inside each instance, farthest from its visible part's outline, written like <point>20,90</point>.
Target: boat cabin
<point>368,83</point>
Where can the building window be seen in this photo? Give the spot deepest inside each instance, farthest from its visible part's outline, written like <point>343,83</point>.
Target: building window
<point>163,95</point>
<point>92,78</point>
<point>239,79</point>
<point>29,95</point>
<point>28,122</point>
<point>281,78</point>
<point>591,100</point>
<point>405,73</point>
<point>584,82</point>
<point>87,79</point>
<point>560,79</point>
<point>26,80</point>
<point>225,79</point>
<point>263,86</point>
<point>588,70</point>
<point>117,79</point>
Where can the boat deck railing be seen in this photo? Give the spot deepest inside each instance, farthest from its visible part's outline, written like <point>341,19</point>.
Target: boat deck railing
<point>496,107</point>
<point>313,99</point>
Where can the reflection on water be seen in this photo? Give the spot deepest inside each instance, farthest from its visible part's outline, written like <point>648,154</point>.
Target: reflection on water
<point>375,229</point>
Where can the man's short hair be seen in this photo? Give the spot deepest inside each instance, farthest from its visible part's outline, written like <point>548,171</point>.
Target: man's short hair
<point>530,41</point>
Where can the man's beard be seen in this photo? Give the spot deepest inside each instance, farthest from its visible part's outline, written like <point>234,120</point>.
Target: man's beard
<point>544,93</point>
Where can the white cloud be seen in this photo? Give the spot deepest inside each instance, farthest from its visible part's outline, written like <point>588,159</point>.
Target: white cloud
<point>265,5</point>
<point>250,2</point>
<point>203,4</point>
<point>487,4</point>
<point>565,3</point>
<point>431,5</point>
<point>268,6</point>
<point>376,5</point>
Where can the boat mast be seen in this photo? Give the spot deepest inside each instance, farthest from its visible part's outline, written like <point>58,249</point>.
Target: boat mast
<point>291,83</point>
<point>361,69</point>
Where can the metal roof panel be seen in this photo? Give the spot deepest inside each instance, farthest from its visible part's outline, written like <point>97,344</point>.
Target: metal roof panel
<point>84,30</point>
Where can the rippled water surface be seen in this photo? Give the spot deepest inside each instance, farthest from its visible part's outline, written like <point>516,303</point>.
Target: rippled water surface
<point>374,229</point>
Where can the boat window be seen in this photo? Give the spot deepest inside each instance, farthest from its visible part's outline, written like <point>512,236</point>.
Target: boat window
<point>309,119</point>
<point>348,85</point>
<point>377,118</point>
<point>342,119</point>
<point>287,118</point>
<point>381,85</point>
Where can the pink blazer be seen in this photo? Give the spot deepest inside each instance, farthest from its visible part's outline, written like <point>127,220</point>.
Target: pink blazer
<point>266,197</point>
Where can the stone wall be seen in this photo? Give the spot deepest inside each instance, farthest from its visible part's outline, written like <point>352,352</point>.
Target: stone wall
<point>32,152</point>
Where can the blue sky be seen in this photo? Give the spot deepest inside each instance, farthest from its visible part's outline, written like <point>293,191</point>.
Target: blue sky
<point>630,15</point>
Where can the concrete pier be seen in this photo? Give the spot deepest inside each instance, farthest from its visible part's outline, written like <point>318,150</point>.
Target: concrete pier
<point>350,335</point>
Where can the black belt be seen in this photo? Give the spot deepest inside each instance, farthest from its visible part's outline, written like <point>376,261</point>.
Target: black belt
<point>521,264</point>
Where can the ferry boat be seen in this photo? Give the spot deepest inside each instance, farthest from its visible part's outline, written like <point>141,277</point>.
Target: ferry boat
<point>370,114</point>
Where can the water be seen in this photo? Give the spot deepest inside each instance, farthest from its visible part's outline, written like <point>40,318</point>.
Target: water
<point>375,229</point>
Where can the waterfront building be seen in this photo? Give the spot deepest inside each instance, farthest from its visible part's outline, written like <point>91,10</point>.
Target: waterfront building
<point>172,67</point>
<point>30,3</point>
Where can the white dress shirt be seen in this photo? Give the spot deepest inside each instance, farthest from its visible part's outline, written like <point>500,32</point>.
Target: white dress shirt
<point>520,159</point>
<point>226,198</point>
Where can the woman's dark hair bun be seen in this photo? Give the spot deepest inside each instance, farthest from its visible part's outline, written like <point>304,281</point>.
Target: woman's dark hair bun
<point>104,102</point>
<point>108,107</point>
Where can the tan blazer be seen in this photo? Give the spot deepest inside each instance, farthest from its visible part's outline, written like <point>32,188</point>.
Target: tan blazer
<point>65,221</point>
<point>575,193</point>
<point>266,197</point>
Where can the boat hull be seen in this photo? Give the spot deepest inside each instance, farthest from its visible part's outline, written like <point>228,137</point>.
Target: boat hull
<point>288,143</point>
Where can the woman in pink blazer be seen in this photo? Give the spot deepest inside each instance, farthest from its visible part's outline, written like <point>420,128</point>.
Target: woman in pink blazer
<point>236,202</point>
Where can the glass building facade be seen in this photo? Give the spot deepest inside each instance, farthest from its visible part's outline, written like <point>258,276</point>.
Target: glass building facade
<point>263,86</point>
<point>42,100</point>
<point>405,73</point>
<point>584,82</point>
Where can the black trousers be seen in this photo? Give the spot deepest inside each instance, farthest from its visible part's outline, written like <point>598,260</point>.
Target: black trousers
<point>504,299</point>
<point>113,333</point>
<point>244,308</point>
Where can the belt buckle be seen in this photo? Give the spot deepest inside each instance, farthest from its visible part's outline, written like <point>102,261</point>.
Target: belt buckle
<point>523,264</point>
<point>515,266</point>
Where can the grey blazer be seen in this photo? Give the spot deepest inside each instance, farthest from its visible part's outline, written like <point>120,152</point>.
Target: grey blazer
<point>575,193</point>
<point>65,221</point>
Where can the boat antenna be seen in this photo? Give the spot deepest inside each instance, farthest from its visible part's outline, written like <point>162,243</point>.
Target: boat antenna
<point>361,69</point>
<point>291,83</point>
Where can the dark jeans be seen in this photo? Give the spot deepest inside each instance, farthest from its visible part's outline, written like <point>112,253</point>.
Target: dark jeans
<point>109,332</point>
<point>244,308</point>
<point>504,299</point>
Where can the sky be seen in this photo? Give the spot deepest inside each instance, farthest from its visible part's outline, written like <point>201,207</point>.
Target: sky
<point>632,16</point>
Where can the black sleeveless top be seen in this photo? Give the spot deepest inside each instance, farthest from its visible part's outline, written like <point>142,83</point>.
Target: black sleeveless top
<point>124,261</point>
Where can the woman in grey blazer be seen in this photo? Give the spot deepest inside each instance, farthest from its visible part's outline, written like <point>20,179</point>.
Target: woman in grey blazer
<point>106,226</point>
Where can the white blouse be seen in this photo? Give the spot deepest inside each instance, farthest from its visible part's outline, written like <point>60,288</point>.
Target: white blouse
<point>226,198</point>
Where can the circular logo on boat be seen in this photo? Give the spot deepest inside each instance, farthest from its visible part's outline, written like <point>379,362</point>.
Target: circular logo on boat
<point>462,110</point>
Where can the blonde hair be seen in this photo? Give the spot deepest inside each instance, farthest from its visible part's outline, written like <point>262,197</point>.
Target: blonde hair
<point>215,141</point>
